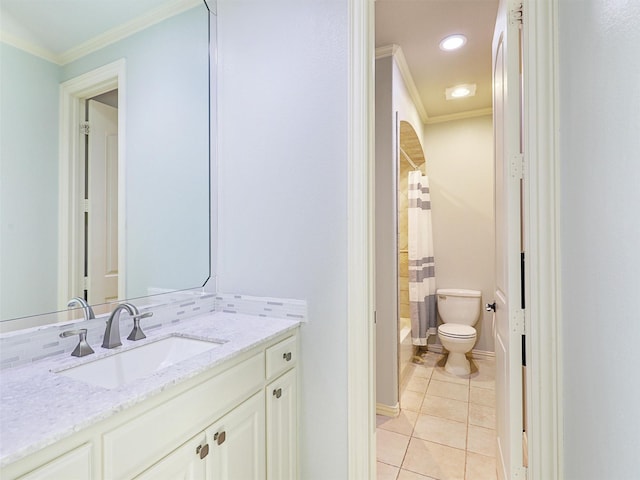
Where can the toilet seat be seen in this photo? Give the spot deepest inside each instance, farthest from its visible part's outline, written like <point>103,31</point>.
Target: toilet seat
<point>455,330</point>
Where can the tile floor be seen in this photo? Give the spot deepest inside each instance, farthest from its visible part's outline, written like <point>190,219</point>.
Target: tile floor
<point>446,428</point>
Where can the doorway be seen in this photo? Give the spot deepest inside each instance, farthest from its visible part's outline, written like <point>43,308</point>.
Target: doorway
<point>436,116</point>
<point>87,226</point>
<point>100,232</point>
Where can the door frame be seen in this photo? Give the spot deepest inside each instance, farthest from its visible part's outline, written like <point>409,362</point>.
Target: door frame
<point>543,317</point>
<point>73,95</point>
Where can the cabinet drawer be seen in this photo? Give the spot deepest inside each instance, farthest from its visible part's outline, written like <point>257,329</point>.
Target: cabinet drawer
<point>73,464</point>
<point>141,442</point>
<point>281,356</point>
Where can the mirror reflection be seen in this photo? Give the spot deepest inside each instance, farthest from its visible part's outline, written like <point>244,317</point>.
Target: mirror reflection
<point>104,174</point>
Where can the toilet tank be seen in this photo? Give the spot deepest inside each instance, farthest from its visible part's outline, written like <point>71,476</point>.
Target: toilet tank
<point>456,305</point>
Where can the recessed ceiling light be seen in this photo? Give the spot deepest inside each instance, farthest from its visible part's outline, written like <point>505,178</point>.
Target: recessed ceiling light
<point>460,91</point>
<point>452,42</point>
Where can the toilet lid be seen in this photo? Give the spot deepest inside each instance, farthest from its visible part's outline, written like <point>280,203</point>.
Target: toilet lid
<point>456,330</point>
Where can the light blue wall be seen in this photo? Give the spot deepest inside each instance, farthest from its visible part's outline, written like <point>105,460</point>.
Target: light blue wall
<point>283,191</point>
<point>600,234</point>
<point>28,183</point>
<point>167,168</point>
<point>167,147</point>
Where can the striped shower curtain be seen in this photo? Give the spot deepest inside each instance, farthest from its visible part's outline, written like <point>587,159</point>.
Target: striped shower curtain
<point>422,280</point>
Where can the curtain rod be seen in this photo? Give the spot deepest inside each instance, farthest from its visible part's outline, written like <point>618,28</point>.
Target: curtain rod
<point>409,159</point>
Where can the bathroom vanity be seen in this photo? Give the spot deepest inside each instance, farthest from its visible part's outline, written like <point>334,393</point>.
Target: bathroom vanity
<point>228,412</point>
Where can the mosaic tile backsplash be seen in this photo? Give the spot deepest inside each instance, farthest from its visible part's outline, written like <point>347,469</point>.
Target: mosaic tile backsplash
<point>31,344</point>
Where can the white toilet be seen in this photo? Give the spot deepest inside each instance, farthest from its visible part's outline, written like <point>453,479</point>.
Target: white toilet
<point>459,310</point>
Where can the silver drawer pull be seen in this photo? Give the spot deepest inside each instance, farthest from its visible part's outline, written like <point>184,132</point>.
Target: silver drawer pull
<point>203,450</point>
<point>287,356</point>
<point>220,437</point>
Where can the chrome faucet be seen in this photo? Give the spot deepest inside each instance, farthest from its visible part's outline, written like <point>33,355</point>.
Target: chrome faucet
<point>112,332</point>
<point>81,302</point>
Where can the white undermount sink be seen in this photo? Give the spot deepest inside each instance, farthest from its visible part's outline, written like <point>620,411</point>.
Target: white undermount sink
<point>126,366</point>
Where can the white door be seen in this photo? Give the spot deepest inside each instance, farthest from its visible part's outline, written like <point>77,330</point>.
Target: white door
<point>282,428</point>
<point>237,443</point>
<point>509,314</point>
<point>102,191</point>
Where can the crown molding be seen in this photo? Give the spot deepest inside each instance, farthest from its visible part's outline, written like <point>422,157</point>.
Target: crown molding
<point>460,116</point>
<point>122,31</point>
<point>395,51</point>
<point>28,47</point>
<point>109,37</point>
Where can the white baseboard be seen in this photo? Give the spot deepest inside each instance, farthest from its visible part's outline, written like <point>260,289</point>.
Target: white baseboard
<point>388,411</point>
<point>437,348</point>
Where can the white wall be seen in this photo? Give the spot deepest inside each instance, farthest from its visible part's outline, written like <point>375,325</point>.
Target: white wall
<point>461,176</point>
<point>600,235</point>
<point>282,200</point>
<point>386,237</point>
<point>403,103</point>
<point>392,96</point>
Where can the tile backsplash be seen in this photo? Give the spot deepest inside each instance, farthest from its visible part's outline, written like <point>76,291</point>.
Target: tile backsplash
<point>34,343</point>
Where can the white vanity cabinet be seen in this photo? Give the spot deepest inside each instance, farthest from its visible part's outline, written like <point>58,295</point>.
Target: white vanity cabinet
<point>282,410</point>
<point>71,465</point>
<point>282,430</point>
<point>238,421</point>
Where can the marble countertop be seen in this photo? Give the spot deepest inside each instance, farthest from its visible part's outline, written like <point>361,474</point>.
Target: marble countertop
<point>39,407</point>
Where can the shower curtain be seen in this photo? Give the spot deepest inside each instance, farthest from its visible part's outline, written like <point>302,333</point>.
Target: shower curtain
<point>422,280</point>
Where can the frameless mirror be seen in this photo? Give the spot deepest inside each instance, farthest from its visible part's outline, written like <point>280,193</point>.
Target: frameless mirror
<point>104,133</point>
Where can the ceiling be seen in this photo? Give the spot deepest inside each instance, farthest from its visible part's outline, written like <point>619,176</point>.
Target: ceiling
<point>418,26</point>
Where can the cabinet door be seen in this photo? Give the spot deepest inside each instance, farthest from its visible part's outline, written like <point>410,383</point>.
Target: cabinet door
<point>188,462</point>
<point>237,450</point>
<point>73,465</point>
<point>282,428</point>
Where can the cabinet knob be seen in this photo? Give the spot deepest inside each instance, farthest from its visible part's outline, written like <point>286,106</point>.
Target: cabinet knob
<point>220,437</point>
<point>287,356</point>
<point>203,450</point>
<point>277,393</point>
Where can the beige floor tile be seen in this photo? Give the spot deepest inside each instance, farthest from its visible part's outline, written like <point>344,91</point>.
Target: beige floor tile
<point>482,396</point>
<point>408,475</point>
<point>419,370</point>
<point>403,423</point>
<point>439,373</point>
<point>417,384</point>
<point>445,408</point>
<point>411,400</point>
<point>434,460</point>
<point>386,472</point>
<point>441,430</point>
<point>484,376</point>
<point>448,390</point>
<point>432,359</point>
<point>481,440</point>
<point>482,416</point>
<point>391,447</point>
<point>480,467</point>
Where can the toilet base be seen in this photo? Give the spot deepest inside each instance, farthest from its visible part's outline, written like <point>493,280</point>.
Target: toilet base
<point>457,364</point>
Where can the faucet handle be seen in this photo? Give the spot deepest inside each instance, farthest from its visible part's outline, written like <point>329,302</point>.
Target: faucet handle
<point>136,332</point>
<point>83,348</point>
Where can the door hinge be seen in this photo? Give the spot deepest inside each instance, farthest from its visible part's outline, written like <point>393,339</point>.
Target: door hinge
<point>516,166</point>
<point>518,323</point>
<point>85,283</point>
<point>519,472</point>
<point>85,205</point>
<point>84,128</point>
<point>516,13</point>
